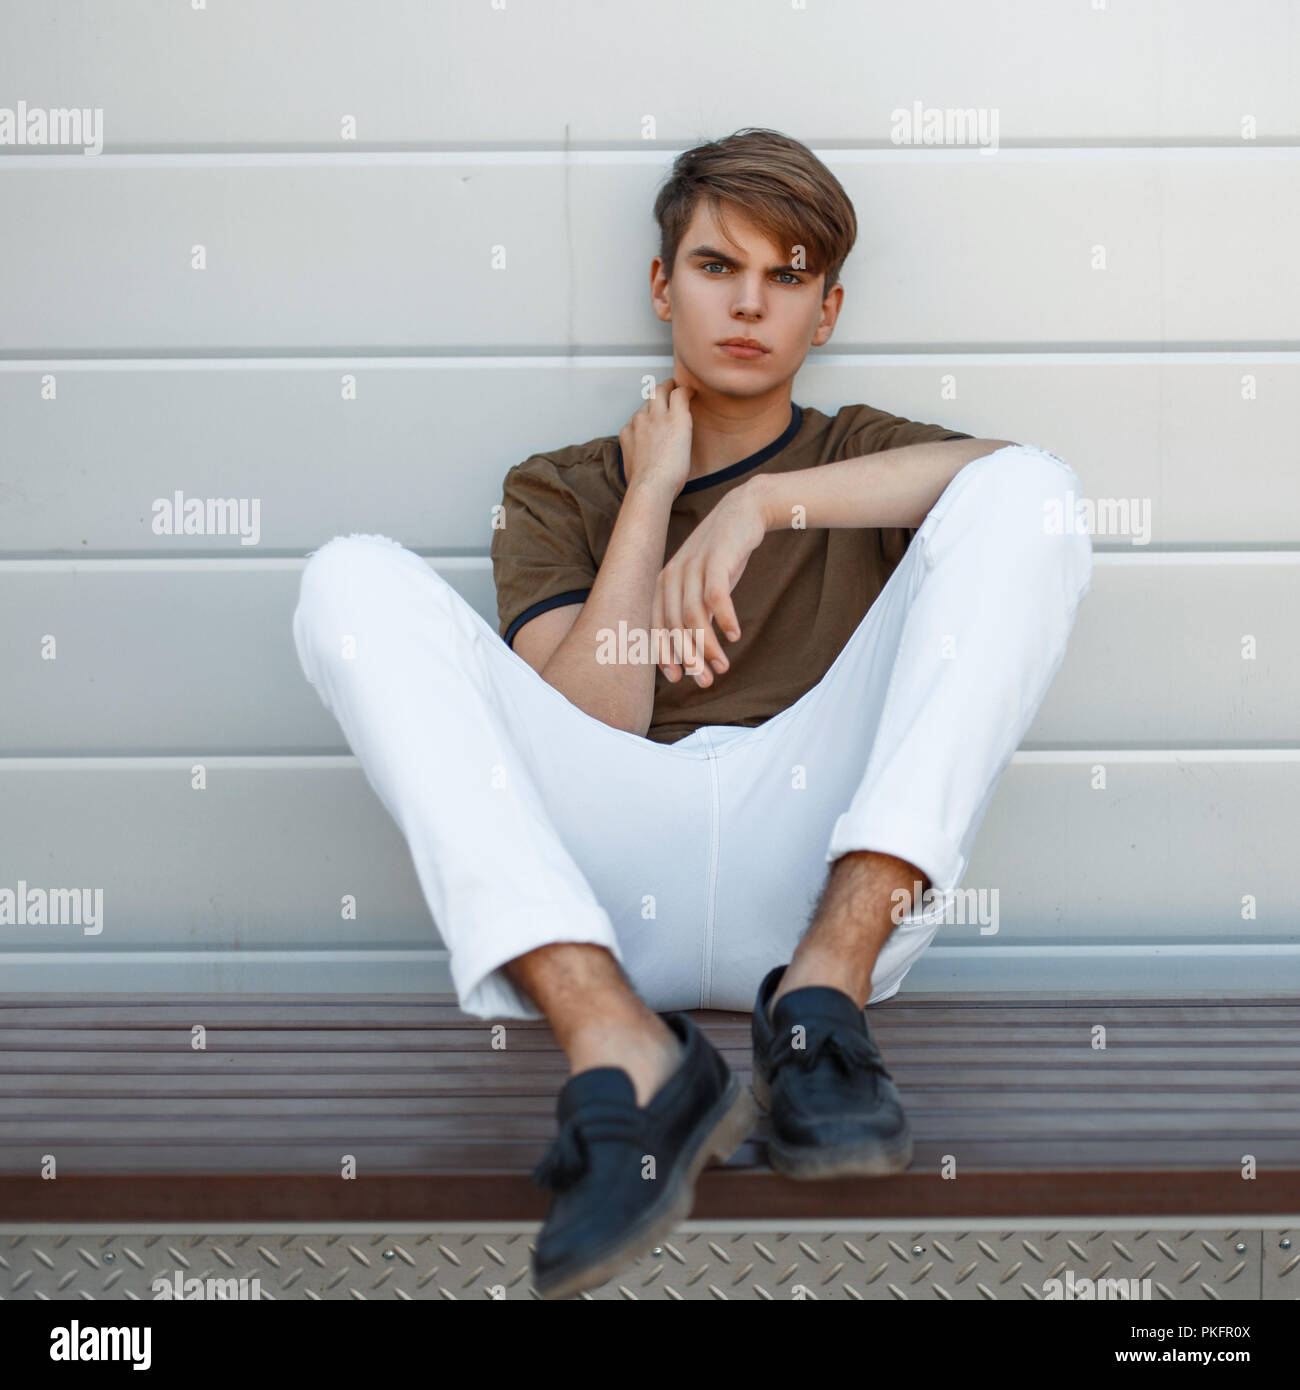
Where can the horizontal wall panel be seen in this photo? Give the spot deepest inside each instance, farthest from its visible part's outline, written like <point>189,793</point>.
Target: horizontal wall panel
<point>1185,971</point>
<point>263,858</point>
<point>173,658</point>
<point>189,656</point>
<point>273,72</point>
<point>1214,972</point>
<point>404,252</point>
<point>410,456</point>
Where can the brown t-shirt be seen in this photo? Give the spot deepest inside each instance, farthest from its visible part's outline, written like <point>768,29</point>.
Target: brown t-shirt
<point>801,597</point>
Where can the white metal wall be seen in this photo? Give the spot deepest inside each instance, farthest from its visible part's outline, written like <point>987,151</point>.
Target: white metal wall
<point>1117,282</point>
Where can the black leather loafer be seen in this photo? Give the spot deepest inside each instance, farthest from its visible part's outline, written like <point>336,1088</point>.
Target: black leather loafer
<point>609,1202</point>
<point>835,1111</point>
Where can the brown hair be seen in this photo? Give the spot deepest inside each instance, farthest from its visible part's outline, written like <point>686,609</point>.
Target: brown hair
<point>789,194</point>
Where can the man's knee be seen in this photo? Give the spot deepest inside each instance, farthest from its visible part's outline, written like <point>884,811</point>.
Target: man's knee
<point>1035,494</point>
<point>364,581</point>
<point>336,578</point>
<point>343,559</point>
<point>351,567</point>
<point>1056,494</point>
<point>1030,470</point>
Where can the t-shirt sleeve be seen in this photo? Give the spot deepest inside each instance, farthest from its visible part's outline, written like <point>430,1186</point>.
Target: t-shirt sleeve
<point>541,557</point>
<point>874,431</point>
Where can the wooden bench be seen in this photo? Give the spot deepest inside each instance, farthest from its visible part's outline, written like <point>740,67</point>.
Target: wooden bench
<point>443,1127</point>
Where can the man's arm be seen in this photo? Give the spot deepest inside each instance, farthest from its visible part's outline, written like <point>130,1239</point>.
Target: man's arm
<point>561,645</point>
<point>890,488</point>
<point>896,487</point>
<point>656,446</point>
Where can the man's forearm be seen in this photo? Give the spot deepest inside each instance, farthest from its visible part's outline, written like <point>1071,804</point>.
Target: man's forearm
<point>619,694</point>
<point>896,487</point>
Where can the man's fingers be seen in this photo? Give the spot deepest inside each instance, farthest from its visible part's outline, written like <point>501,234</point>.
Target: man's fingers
<point>702,634</point>
<point>661,397</point>
<point>672,613</point>
<point>717,596</point>
<point>663,651</point>
<point>662,655</point>
<point>703,643</point>
<point>698,637</point>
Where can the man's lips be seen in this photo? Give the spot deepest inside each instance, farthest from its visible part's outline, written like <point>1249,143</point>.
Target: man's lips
<point>743,347</point>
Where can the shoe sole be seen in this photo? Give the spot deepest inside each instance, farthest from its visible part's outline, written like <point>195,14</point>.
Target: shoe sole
<point>736,1115</point>
<point>868,1159</point>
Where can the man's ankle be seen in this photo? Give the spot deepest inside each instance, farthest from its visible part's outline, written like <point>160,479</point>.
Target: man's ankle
<point>646,1048</point>
<point>828,973</point>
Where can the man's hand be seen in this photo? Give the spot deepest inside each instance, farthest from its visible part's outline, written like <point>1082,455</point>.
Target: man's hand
<point>656,441</point>
<point>695,586</point>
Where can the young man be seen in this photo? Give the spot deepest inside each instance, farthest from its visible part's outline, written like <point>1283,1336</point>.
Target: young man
<point>744,639</point>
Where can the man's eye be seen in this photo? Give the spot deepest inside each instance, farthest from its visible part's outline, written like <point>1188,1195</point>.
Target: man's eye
<point>792,280</point>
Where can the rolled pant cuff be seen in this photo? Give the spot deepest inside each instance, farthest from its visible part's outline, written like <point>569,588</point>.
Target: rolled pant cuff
<point>484,990</point>
<point>917,843</point>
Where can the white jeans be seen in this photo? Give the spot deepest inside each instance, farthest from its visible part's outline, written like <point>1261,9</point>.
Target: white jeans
<point>697,863</point>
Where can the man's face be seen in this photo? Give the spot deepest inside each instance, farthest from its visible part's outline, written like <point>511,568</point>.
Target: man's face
<point>746,288</point>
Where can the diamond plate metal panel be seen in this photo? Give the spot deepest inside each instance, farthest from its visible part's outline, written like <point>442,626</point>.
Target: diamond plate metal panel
<point>1281,1274</point>
<point>857,1264</point>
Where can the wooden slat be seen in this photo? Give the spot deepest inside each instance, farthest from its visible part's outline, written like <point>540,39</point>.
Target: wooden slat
<point>33,1102</point>
<point>422,1080</point>
<point>451,1161</point>
<point>371,1010</point>
<point>1125,1046</point>
<point>442,1129</point>
<point>1269,1133</point>
<point>1096,1068</point>
<point>501,1069</point>
<point>1029,1088</point>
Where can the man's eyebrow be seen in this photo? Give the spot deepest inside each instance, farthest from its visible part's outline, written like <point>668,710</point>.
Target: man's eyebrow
<point>714,255</point>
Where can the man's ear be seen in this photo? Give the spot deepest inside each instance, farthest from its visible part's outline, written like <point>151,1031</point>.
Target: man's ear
<point>831,305</point>
<point>660,297</point>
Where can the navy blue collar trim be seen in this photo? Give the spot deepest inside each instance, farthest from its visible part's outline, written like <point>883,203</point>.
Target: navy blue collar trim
<point>734,470</point>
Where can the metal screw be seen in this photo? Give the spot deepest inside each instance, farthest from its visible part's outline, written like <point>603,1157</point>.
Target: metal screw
<point>1285,1242</point>
<point>1240,1247</point>
<point>109,1257</point>
<point>918,1250</point>
<point>390,1254</point>
<point>658,1250</point>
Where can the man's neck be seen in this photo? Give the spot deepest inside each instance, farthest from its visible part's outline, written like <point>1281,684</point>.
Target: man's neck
<point>725,430</point>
